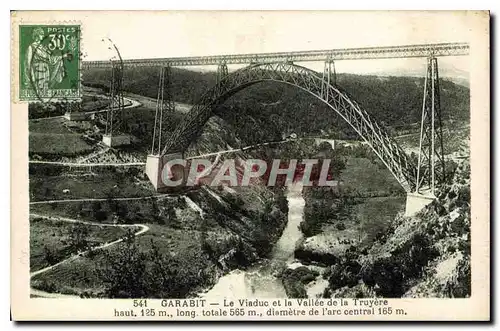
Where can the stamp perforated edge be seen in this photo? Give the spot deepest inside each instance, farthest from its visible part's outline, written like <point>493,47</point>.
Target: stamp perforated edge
<point>14,59</point>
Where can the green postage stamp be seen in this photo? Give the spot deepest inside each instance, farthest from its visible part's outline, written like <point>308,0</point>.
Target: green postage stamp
<point>49,63</point>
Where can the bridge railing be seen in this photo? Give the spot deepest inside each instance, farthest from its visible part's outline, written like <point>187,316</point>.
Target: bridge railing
<point>386,52</point>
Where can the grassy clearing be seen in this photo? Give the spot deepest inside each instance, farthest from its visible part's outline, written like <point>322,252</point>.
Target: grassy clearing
<point>58,144</point>
<point>53,125</point>
<point>58,137</point>
<point>375,215</point>
<point>366,178</point>
<point>97,185</point>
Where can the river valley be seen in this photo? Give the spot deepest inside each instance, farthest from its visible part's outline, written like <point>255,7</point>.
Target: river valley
<point>261,280</point>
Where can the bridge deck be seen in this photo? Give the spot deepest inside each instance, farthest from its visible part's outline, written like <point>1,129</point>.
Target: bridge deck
<point>388,52</point>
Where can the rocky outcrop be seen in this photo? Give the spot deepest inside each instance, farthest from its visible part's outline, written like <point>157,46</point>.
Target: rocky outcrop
<point>324,249</point>
<point>427,255</point>
<point>294,281</point>
<point>424,256</point>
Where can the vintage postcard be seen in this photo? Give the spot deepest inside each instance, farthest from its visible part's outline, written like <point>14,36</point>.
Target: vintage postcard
<point>232,165</point>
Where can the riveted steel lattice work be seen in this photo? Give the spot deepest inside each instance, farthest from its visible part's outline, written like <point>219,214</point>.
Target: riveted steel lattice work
<point>431,166</point>
<point>329,76</point>
<point>164,104</point>
<point>114,115</point>
<point>222,72</point>
<point>383,52</point>
<point>376,137</point>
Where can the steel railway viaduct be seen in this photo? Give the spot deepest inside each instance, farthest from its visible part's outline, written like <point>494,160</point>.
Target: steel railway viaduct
<point>420,180</point>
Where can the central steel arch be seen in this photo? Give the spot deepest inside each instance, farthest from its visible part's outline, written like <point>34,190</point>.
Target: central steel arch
<point>391,154</point>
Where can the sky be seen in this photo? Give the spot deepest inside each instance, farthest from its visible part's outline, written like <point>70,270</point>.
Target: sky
<point>172,34</point>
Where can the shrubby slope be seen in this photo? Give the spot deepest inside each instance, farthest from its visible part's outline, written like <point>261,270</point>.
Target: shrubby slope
<point>423,256</point>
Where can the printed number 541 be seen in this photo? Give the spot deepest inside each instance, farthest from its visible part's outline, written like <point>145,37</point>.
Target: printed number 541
<point>140,303</point>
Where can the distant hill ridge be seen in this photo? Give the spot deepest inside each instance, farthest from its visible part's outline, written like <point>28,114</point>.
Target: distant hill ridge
<point>395,101</point>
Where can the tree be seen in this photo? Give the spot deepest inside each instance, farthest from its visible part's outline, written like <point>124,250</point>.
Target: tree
<point>97,212</point>
<point>164,278</point>
<point>78,238</point>
<point>49,255</point>
<point>155,210</point>
<point>124,271</point>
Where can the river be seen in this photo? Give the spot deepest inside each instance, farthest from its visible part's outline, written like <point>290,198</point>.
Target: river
<point>260,280</point>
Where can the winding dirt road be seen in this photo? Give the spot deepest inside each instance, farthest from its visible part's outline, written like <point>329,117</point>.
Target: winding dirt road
<point>143,229</point>
<point>132,104</point>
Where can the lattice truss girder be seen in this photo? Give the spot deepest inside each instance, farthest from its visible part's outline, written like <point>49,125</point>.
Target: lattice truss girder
<point>431,166</point>
<point>329,75</point>
<point>376,137</point>
<point>165,106</point>
<point>114,116</point>
<point>388,52</point>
